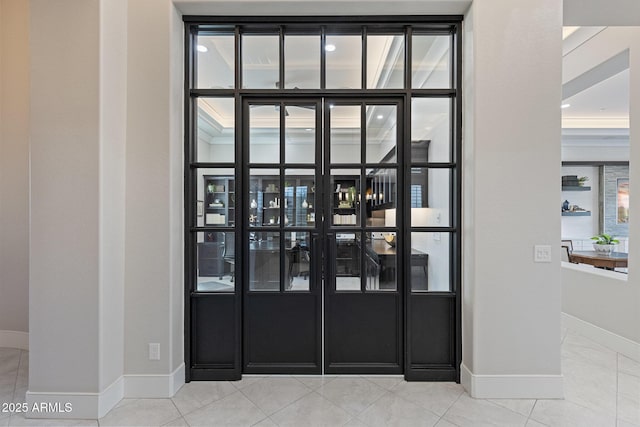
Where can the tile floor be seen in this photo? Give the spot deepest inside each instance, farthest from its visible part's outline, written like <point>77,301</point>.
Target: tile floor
<point>602,388</point>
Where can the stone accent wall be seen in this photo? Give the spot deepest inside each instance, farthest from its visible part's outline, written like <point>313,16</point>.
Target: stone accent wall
<point>610,181</point>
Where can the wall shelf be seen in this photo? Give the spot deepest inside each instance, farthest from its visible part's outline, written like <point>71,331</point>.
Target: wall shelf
<point>579,213</point>
<point>575,188</point>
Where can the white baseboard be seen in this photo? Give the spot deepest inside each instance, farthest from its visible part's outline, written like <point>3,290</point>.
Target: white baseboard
<point>14,339</point>
<point>615,342</point>
<point>110,397</point>
<point>154,386</point>
<point>511,386</point>
<point>96,405</point>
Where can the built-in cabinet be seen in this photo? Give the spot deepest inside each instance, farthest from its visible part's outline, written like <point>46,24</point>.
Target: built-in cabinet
<point>220,200</point>
<point>268,207</point>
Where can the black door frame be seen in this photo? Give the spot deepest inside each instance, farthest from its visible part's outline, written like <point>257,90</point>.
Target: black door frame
<point>211,319</point>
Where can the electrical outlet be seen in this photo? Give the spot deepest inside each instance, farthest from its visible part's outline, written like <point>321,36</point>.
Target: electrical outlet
<point>154,351</point>
<point>542,253</point>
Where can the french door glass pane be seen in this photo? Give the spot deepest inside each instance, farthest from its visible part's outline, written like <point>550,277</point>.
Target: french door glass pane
<point>385,61</point>
<point>344,190</point>
<point>347,261</point>
<point>300,134</point>
<point>431,130</point>
<point>298,261</point>
<point>430,262</point>
<point>345,133</point>
<point>381,133</point>
<point>302,62</point>
<point>299,198</point>
<point>216,197</point>
<point>381,261</point>
<point>215,253</point>
<point>260,61</point>
<point>430,197</point>
<point>216,61</point>
<point>264,261</point>
<point>216,130</point>
<point>265,198</point>
<point>264,133</point>
<point>381,197</point>
<point>431,67</point>
<point>343,61</point>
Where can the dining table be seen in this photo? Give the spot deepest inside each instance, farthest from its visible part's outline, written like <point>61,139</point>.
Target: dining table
<point>599,259</point>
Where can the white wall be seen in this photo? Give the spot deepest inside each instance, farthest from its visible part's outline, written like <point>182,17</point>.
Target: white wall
<point>154,269</point>
<point>65,197</point>
<point>14,173</point>
<point>113,119</point>
<point>513,347</point>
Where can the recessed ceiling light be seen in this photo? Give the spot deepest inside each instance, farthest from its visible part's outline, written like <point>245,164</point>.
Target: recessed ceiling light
<point>565,106</point>
<point>379,116</point>
<point>202,48</point>
<point>330,47</point>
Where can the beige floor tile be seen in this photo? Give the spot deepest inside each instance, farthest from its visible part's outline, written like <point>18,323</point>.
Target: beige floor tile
<point>246,381</point>
<point>445,423</point>
<point>180,422</point>
<point>478,412</point>
<point>629,398</point>
<point>274,393</point>
<point>563,413</point>
<point>9,362</point>
<point>233,410</point>
<point>133,412</point>
<point>581,349</point>
<point>386,383</point>
<point>590,385</point>
<point>354,422</point>
<point>311,410</point>
<point>267,422</point>
<point>623,423</point>
<point>534,423</point>
<point>521,406</point>
<point>315,383</point>
<point>628,366</point>
<point>392,410</point>
<point>197,394</point>
<point>353,394</point>
<point>437,397</point>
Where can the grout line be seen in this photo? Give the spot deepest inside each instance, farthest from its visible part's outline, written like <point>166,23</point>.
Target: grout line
<point>206,404</point>
<point>15,381</point>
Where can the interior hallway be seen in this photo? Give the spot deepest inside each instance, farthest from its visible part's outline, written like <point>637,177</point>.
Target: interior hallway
<point>602,388</point>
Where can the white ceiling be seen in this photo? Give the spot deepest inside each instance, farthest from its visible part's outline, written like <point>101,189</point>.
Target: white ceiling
<point>604,103</point>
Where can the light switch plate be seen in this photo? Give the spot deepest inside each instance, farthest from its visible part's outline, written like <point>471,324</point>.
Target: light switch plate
<point>542,253</point>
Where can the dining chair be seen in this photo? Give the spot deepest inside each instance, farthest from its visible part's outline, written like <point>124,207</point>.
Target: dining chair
<point>568,244</point>
<point>565,254</point>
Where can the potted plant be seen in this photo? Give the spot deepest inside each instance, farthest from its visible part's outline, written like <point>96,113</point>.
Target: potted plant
<point>604,243</point>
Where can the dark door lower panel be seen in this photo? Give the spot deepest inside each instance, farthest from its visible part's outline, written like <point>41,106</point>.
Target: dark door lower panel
<point>282,334</point>
<point>363,334</point>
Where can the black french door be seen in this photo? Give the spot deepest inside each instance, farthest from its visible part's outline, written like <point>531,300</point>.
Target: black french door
<point>321,178</point>
<point>323,196</point>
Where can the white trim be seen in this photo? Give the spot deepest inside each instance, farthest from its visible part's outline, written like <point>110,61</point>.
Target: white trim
<point>110,397</point>
<point>511,386</point>
<point>14,339</point>
<point>154,386</point>
<point>615,342</point>
<point>91,406</point>
<point>88,406</point>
